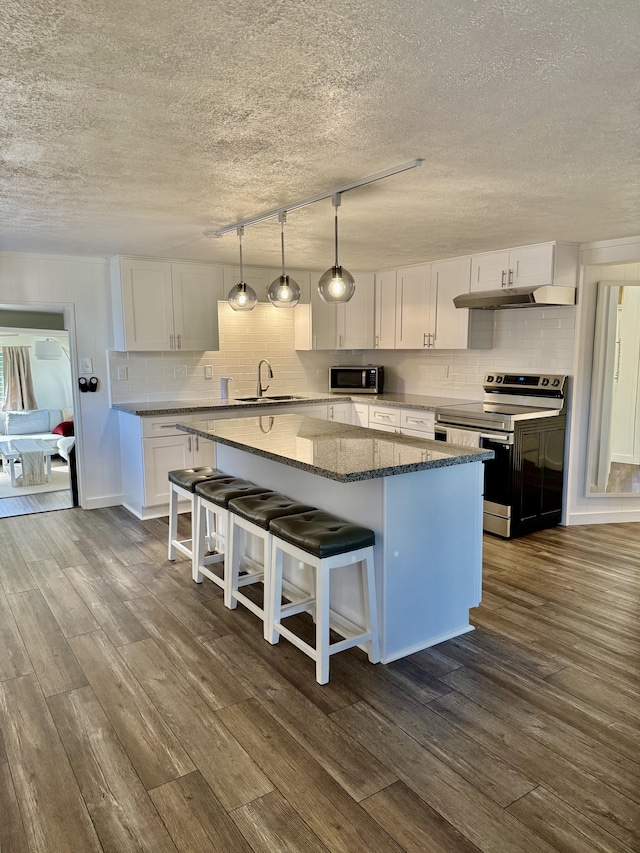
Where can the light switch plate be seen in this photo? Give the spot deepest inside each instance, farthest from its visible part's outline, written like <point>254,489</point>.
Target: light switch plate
<point>123,373</point>
<point>180,372</point>
<point>87,365</point>
<point>208,371</point>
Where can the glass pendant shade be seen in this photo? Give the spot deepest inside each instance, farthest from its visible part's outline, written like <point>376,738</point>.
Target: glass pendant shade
<point>336,284</point>
<point>242,297</point>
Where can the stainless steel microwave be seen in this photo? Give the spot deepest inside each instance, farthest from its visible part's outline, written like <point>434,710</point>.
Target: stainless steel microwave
<point>367,379</point>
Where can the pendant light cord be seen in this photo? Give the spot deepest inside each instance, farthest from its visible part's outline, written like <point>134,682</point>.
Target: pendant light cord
<point>240,233</point>
<point>336,203</point>
<point>283,219</point>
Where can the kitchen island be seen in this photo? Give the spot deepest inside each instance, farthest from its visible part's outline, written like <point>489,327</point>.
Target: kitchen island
<point>422,498</point>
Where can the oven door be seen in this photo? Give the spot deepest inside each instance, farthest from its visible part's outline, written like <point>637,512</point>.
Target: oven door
<point>498,479</point>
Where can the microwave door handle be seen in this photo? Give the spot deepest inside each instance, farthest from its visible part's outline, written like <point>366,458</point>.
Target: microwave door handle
<point>364,379</point>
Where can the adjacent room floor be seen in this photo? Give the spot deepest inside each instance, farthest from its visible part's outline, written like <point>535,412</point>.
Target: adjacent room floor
<point>137,713</point>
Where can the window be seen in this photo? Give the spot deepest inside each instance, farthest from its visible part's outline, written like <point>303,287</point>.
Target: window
<point>1,379</point>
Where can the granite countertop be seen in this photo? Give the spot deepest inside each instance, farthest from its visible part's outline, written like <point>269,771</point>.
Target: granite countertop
<point>185,407</point>
<point>333,450</point>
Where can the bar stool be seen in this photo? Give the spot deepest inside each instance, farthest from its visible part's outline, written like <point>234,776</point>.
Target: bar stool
<point>253,515</point>
<point>182,483</point>
<point>212,501</point>
<point>325,543</point>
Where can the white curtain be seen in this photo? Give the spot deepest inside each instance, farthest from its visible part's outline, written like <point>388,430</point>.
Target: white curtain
<point>19,395</point>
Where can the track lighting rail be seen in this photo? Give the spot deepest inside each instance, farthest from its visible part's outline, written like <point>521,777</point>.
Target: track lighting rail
<point>332,193</point>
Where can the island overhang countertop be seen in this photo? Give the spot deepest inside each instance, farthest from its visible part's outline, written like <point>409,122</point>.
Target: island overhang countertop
<point>334,450</point>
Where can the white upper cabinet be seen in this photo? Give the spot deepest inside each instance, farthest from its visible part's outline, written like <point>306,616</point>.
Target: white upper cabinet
<point>385,310</point>
<point>255,277</point>
<point>450,324</point>
<point>160,306</point>
<point>526,266</point>
<point>319,325</point>
<point>413,307</point>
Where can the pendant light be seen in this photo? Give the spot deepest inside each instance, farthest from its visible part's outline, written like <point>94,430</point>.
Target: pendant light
<point>242,297</point>
<point>284,291</point>
<point>336,284</point>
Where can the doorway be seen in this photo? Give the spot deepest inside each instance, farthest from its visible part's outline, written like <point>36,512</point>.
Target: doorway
<point>45,431</point>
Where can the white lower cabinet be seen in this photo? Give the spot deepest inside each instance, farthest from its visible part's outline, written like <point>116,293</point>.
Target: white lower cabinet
<point>360,414</point>
<point>339,412</point>
<point>169,453</point>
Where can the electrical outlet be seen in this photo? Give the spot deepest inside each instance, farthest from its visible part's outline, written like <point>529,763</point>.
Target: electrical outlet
<point>180,372</point>
<point>445,371</point>
<point>208,371</point>
<point>123,373</point>
<point>87,365</point>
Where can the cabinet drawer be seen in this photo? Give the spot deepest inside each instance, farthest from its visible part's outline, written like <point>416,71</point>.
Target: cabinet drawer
<point>157,427</point>
<point>417,421</point>
<point>383,417</point>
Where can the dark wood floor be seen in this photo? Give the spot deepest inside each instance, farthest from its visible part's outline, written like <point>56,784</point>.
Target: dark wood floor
<point>137,713</point>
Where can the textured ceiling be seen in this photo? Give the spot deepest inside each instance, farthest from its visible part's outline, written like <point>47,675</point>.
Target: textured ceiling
<point>132,126</point>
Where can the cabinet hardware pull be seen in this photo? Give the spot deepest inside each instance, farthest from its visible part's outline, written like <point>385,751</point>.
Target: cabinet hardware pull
<point>425,339</point>
<point>189,444</point>
<point>197,444</point>
<point>170,341</point>
<point>166,426</point>
<point>179,342</point>
<point>510,276</point>
<point>504,278</point>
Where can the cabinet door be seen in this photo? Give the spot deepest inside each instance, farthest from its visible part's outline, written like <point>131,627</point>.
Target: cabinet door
<point>204,451</point>
<point>450,279</point>
<point>147,305</point>
<point>196,291</point>
<point>162,455</point>
<point>488,272</point>
<point>413,308</point>
<point>255,277</point>
<point>416,422</point>
<point>360,414</point>
<point>385,310</point>
<point>531,266</point>
<point>339,412</point>
<point>324,318</point>
<point>319,411</point>
<point>355,318</point>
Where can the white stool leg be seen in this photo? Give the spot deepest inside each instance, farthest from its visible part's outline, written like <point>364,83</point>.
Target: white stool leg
<point>267,600</point>
<point>323,586</point>
<point>173,521</point>
<point>198,524</point>
<point>232,561</point>
<point>371,608</point>
<point>274,604</point>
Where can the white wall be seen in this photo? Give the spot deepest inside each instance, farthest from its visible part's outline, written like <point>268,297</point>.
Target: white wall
<point>609,260</point>
<point>80,286</point>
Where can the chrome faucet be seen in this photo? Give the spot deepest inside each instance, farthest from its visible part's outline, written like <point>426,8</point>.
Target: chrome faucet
<point>259,389</point>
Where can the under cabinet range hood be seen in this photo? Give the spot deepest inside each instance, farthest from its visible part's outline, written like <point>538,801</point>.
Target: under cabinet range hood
<point>518,297</point>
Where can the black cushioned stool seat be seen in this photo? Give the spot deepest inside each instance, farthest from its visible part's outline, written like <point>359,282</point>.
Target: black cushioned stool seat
<point>262,509</point>
<point>324,543</point>
<point>182,484</point>
<point>322,534</point>
<point>224,489</point>
<point>188,478</point>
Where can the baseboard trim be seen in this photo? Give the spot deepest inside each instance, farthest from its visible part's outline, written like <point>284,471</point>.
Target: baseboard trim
<point>100,503</point>
<point>432,642</point>
<point>603,517</point>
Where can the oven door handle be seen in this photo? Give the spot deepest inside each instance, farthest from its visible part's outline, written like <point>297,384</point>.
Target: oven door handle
<point>505,438</point>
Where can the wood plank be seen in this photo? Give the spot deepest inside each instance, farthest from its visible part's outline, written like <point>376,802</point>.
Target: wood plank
<point>109,611</point>
<point>609,809</point>
<point>122,813</point>
<point>231,774</point>
<point>614,699</point>
<point>53,661</point>
<point>414,824</point>
<point>14,572</point>
<point>59,541</point>
<point>473,814</point>
<point>25,531</point>
<point>217,686</point>
<point>12,834</point>
<point>54,814</point>
<point>434,661</point>
<point>115,572</point>
<point>563,826</point>
<point>196,618</point>
<point>195,819</point>
<point>14,660</point>
<point>47,569</point>
<point>113,536</point>
<point>71,613</point>
<point>355,769</point>
<point>487,770</point>
<point>490,647</point>
<point>150,744</point>
<point>271,825</point>
<point>329,811</point>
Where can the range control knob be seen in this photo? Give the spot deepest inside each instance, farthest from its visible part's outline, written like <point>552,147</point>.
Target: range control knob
<point>555,383</point>
<point>545,381</point>
<point>490,378</point>
<point>498,379</point>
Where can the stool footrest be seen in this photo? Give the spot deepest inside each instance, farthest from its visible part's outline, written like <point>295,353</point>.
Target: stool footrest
<point>295,607</point>
<point>250,605</point>
<point>212,576</point>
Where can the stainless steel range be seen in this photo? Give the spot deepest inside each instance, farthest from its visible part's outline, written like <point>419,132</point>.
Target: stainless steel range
<point>522,419</point>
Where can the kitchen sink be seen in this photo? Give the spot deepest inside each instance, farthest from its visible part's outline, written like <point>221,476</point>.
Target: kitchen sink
<point>267,398</point>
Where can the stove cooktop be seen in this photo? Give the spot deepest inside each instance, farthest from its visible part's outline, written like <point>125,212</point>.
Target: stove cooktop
<point>501,415</point>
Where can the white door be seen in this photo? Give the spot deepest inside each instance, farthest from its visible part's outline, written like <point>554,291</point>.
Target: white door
<point>385,310</point>
<point>147,305</point>
<point>450,279</point>
<point>196,291</point>
<point>355,318</point>
<point>413,308</point>
<point>488,272</point>
<point>162,455</point>
<point>339,412</point>
<point>528,267</point>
